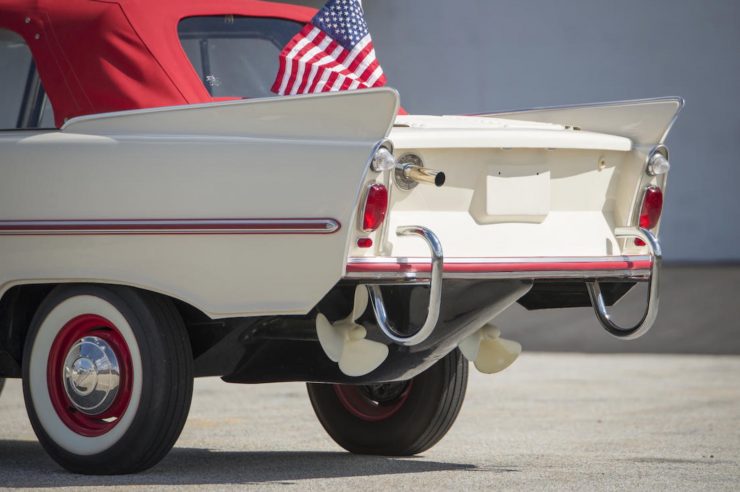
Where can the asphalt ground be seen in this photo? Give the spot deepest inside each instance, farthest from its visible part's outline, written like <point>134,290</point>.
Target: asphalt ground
<point>699,314</point>
<point>558,421</point>
<point>550,422</point>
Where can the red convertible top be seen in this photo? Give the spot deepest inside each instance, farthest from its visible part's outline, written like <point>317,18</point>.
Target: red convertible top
<point>96,56</point>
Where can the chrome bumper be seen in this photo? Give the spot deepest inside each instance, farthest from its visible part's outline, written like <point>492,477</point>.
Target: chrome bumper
<point>594,290</point>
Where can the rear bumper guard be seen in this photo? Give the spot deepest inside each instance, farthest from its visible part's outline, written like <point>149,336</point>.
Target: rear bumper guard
<point>653,296</point>
<point>594,290</point>
<point>435,292</point>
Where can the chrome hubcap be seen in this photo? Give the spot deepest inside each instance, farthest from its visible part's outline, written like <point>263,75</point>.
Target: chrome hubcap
<point>91,375</point>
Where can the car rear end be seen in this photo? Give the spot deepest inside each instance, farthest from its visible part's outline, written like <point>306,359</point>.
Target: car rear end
<point>570,205</point>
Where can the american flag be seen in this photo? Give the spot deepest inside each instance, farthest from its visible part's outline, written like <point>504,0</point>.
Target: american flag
<point>334,52</point>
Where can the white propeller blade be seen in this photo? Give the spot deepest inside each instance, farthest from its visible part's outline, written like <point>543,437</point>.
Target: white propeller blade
<point>488,351</point>
<point>470,346</point>
<point>330,338</point>
<point>362,298</point>
<point>344,341</point>
<point>361,356</point>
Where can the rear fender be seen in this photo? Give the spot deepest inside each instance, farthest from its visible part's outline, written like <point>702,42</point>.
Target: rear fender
<point>218,205</point>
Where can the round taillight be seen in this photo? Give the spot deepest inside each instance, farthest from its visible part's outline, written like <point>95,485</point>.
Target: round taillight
<point>376,207</point>
<point>652,207</point>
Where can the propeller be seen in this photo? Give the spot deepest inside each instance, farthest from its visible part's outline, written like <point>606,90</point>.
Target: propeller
<point>488,351</point>
<point>344,342</point>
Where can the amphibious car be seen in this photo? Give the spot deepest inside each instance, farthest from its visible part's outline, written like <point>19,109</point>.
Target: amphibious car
<point>163,216</point>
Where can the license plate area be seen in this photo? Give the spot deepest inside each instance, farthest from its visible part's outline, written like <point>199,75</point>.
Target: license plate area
<point>512,193</point>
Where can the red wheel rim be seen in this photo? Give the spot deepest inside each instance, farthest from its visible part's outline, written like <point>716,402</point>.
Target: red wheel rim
<point>77,329</point>
<point>364,403</point>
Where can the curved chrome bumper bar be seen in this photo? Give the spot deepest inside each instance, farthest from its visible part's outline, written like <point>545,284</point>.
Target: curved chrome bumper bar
<point>653,300</point>
<point>594,291</point>
<point>435,294</point>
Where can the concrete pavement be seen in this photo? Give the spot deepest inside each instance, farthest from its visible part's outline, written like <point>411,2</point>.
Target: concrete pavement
<point>552,421</point>
<point>699,314</point>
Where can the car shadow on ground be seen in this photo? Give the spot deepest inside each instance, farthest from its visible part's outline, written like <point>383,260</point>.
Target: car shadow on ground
<point>25,464</point>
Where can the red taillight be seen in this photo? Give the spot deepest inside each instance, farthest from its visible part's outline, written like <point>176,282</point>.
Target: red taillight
<point>652,207</point>
<point>376,206</point>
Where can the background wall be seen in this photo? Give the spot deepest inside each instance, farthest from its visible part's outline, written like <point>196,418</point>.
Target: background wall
<point>471,56</point>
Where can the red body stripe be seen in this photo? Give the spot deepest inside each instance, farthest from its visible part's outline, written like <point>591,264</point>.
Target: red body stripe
<point>502,267</point>
<point>169,227</point>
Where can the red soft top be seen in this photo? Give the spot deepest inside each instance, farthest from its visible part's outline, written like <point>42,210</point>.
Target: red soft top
<point>97,56</point>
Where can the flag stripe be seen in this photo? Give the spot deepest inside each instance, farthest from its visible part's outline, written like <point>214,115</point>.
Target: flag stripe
<point>311,58</point>
<point>334,50</point>
<point>295,45</point>
<point>298,51</point>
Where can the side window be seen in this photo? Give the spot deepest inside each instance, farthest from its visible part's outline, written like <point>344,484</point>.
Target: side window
<point>23,103</point>
<point>46,118</point>
<point>236,56</point>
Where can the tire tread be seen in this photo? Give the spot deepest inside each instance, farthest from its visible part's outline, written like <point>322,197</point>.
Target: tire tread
<point>406,433</point>
<point>453,399</point>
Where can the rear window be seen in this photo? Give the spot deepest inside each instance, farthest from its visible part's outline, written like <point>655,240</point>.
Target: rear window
<point>23,103</point>
<point>236,56</point>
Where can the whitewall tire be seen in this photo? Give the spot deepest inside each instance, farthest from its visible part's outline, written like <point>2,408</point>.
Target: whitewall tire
<point>107,378</point>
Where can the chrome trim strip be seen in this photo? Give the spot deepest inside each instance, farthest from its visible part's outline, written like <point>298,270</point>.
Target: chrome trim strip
<point>435,292</point>
<point>167,227</point>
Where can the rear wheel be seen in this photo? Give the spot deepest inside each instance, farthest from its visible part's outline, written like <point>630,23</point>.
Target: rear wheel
<point>394,419</point>
<point>107,378</point>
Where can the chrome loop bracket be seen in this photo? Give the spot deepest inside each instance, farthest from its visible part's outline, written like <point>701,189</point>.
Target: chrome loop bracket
<point>435,292</point>
<point>653,296</point>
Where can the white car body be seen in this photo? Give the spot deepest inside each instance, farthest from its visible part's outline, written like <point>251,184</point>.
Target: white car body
<point>250,208</point>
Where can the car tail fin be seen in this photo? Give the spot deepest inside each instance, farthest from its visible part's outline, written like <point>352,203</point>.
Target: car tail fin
<point>365,115</point>
<point>645,121</point>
